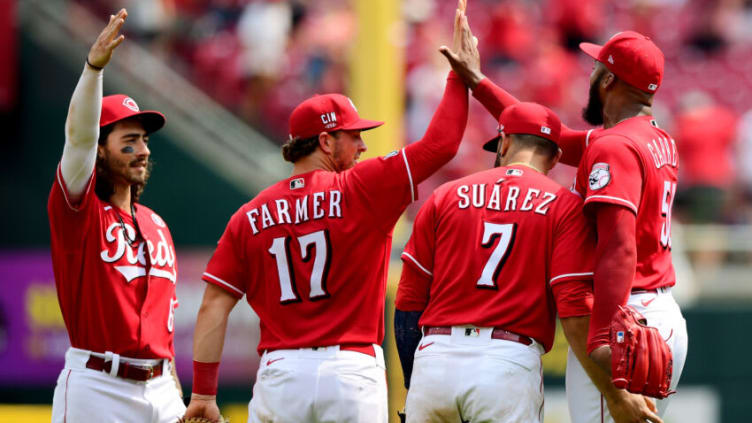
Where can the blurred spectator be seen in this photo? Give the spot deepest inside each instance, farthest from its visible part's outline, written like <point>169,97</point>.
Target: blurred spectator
<point>705,134</point>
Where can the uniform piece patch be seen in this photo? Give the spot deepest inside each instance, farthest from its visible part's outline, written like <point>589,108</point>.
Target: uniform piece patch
<point>600,176</point>
<point>297,183</point>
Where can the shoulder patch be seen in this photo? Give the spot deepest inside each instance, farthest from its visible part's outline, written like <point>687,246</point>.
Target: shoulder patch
<point>600,176</point>
<point>392,154</point>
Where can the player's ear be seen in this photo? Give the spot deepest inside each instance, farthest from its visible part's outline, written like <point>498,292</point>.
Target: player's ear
<point>326,142</point>
<point>608,80</point>
<point>555,159</point>
<point>505,143</point>
<point>100,151</point>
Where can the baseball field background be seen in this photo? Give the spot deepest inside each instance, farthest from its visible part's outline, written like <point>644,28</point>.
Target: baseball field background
<point>227,73</point>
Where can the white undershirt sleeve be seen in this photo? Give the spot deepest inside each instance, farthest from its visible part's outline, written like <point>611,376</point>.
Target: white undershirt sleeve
<point>82,132</point>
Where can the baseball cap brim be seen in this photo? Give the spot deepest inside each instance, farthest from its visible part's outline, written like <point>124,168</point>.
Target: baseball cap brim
<point>151,119</point>
<point>592,50</point>
<point>362,125</point>
<point>492,145</point>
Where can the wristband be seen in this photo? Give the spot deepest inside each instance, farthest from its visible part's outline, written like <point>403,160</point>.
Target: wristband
<point>205,378</point>
<point>96,68</point>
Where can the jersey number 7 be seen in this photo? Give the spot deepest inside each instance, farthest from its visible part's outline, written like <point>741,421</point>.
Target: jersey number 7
<point>505,233</point>
<point>280,249</point>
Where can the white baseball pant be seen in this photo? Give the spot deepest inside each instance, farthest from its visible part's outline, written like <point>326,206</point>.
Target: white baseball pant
<point>324,385</point>
<point>586,405</point>
<point>84,395</point>
<point>468,376</point>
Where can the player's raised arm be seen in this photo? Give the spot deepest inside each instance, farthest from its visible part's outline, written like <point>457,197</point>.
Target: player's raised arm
<point>82,123</point>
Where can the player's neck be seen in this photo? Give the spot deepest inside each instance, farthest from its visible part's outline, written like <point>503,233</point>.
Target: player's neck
<point>314,161</point>
<point>121,197</point>
<point>528,159</point>
<point>621,109</point>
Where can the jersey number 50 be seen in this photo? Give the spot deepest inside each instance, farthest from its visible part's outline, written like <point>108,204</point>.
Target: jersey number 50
<point>280,249</point>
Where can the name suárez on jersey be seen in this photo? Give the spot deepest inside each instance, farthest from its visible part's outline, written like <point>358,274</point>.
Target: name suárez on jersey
<point>312,206</point>
<point>476,195</point>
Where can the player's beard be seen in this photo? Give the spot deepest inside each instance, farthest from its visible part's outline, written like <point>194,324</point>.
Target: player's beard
<point>593,112</point>
<point>341,162</point>
<point>111,169</point>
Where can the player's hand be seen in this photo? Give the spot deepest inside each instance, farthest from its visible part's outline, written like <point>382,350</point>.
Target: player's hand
<point>626,407</point>
<point>203,406</point>
<point>602,357</point>
<point>464,56</point>
<point>108,40</point>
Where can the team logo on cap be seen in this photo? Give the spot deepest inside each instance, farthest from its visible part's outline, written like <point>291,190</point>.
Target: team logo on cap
<point>600,176</point>
<point>329,120</point>
<point>129,103</point>
<point>611,59</point>
<point>545,130</point>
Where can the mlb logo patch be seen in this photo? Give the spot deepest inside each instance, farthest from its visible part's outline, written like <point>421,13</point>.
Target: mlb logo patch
<point>514,172</point>
<point>472,332</point>
<point>620,337</point>
<point>545,130</point>
<point>652,87</point>
<point>297,183</point>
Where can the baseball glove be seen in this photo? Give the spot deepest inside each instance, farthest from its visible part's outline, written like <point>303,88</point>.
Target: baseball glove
<point>202,420</point>
<point>641,361</point>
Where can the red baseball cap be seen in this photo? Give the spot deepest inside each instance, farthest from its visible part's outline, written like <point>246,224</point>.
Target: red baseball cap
<point>527,118</point>
<point>327,113</point>
<point>119,106</point>
<point>632,57</point>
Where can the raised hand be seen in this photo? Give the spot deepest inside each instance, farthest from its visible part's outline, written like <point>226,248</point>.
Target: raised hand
<point>107,41</point>
<point>464,56</point>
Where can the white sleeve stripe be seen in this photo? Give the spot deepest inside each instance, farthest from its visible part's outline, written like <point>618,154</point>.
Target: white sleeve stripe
<point>409,177</point>
<point>608,197</point>
<point>587,137</point>
<point>210,276</point>
<point>569,275</point>
<point>406,254</point>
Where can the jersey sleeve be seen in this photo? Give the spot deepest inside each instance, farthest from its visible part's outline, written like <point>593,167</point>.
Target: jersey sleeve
<point>572,258</point>
<point>69,221</point>
<point>417,258</point>
<point>574,242</point>
<point>614,173</point>
<point>225,268</point>
<point>384,185</point>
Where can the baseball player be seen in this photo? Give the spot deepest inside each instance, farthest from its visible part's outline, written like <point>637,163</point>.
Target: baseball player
<point>113,259</point>
<point>492,258</point>
<point>310,253</point>
<point>627,173</point>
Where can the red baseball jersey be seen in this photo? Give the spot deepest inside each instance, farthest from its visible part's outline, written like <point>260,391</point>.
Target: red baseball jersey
<point>311,253</point>
<point>492,244</point>
<point>114,296</point>
<point>634,164</point>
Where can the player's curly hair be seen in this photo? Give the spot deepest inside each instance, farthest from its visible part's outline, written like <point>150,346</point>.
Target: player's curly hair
<point>297,148</point>
<point>104,187</point>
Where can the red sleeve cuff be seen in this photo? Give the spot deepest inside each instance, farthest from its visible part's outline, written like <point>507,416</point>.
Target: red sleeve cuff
<point>574,298</point>
<point>230,288</point>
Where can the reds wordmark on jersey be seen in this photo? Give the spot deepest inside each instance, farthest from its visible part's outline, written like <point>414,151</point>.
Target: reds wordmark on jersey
<point>634,164</point>
<point>114,296</point>
<point>311,253</point>
<point>492,243</point>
